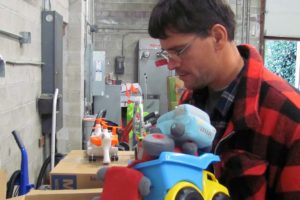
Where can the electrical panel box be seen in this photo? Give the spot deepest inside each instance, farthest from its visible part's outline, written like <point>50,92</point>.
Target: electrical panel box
<point>111,102</point>
<point>98,73</point>
<point>119,65</point>
<point>52,70</point>
<point>152,79</point>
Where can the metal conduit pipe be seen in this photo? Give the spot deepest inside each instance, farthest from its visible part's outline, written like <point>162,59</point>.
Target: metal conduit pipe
<point>262,26</point>
<point>236,8</point>
<point>243,19</point>
<point>46,4</point>
<point>34,63</point>
<point>53,127</point>
<point>248,6</point>
<point>23,37</point>
<point>11,35</point>
<point>125,35</point>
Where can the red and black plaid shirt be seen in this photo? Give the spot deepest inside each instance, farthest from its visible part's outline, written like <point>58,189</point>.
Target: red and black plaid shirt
<point>260,148</point>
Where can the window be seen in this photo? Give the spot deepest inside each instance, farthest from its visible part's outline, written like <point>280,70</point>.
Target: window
<point>282,58</point>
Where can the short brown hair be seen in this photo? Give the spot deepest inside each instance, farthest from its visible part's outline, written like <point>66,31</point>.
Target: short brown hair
<point>190,16</point>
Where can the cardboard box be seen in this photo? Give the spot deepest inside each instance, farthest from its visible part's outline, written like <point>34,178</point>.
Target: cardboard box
<point>175,90</point>
<point>84,194</point>
<point>75,171</point>
<point>3,180</point>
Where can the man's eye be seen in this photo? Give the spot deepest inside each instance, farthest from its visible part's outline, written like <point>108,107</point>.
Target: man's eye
<point>176,51</point>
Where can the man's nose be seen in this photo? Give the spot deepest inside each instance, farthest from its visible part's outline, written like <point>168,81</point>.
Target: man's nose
<point>173,64</point>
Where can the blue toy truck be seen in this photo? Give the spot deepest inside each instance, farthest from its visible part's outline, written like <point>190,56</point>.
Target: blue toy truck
<point>177,176</point>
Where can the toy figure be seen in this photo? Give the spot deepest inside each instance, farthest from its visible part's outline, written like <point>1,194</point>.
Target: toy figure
<point>123,183</point>
<point>189,127</point>
<point>171,175</point>
<point>103,143</point>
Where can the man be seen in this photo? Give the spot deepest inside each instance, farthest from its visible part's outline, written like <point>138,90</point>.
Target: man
<point>256,113</point>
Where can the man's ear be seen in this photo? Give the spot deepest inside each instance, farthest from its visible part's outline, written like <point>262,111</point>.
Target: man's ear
<point>220,36</point>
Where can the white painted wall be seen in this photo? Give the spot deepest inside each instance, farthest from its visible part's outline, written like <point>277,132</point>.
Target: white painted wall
<point>21,86</point>
<point>282,18</point>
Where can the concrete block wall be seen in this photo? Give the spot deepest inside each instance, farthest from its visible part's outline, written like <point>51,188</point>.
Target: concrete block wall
<point>122,23</point>
<point>70,137</point>
<point>21,85</point>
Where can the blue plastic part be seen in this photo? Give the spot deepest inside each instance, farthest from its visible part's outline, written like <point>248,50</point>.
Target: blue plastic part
<point>25,187</point>
<point>171,168</point>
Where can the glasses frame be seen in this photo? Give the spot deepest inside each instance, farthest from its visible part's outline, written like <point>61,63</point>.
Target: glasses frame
<point>171,54</point>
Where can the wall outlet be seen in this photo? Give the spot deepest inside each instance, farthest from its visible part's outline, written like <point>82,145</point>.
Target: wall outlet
<point>42,141</point>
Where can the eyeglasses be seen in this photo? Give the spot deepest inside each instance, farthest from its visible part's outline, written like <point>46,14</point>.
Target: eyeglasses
<point>176,53</point>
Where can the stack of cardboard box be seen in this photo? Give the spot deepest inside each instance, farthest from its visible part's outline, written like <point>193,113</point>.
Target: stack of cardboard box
<point>73,178</point>
<point>75,171</point>
<point>3,181</point>
<point>83,194</point>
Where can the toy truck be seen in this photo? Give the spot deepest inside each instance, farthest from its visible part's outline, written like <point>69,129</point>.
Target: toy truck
<point>177,176</point>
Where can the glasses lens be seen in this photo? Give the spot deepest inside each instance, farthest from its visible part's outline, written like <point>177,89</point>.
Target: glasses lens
<point>164,54</point>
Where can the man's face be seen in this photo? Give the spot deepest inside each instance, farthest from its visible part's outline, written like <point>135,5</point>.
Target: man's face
<point>193,58</point>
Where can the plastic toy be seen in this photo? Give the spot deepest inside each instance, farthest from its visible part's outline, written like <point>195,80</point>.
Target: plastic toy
<point>174,176</point>
<point>133,187</point>
<point>189,126</point>
<point>152,145</point>
<point>181,176</point>
<point>131,132</point>
<point>18,183</point>
<point>103,143</point>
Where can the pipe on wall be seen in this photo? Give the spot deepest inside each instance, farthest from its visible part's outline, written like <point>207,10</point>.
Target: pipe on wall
<point>33,63</point>
<point>45,3</point>
<point>23,37</point>
<point>242,31</point>
<point>245,15</point>
<point>248,7</point>
<point>262,26</point>
<point>125,35</point>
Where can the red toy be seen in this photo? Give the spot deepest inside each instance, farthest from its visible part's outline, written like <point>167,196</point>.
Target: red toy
<point>127,183</point>
<point>123,183</point>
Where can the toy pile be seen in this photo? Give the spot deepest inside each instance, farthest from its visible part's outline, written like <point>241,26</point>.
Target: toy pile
<point>170,163</point>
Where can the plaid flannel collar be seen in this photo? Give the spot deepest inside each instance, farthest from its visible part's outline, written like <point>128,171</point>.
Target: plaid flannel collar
<point>226,98</point>
<point>228,95</point>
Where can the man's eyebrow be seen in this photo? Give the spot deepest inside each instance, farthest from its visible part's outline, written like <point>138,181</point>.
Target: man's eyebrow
<point>175,47</point>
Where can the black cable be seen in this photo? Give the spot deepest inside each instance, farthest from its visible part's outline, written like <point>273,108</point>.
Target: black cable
<point>13,181</point>
<point>16,193</point>
<point>43,170</point>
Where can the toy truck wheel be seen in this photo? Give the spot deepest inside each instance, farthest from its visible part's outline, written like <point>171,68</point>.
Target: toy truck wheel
<point>184,191</point>
<point>92,158</point>
<point>188,193</point>
<point>221,196</point>
<point>114,157</point>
